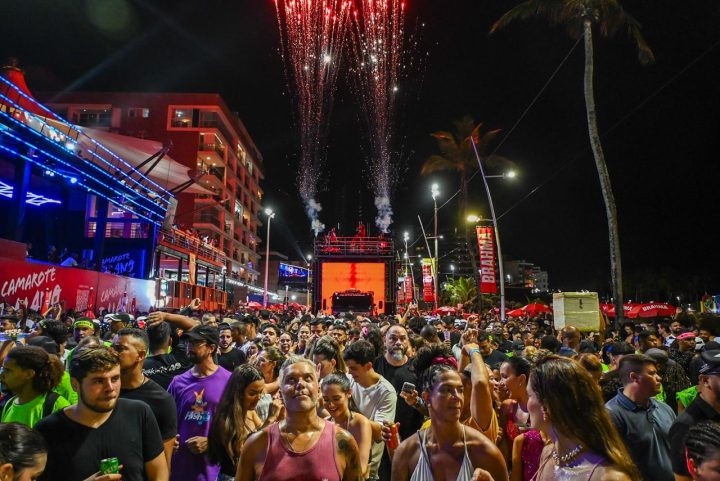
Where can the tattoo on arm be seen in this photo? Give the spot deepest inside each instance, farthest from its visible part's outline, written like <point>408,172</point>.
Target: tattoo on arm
<point>347,446</point>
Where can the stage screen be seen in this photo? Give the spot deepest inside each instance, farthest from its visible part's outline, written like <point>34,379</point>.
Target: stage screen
<point>363,276</point>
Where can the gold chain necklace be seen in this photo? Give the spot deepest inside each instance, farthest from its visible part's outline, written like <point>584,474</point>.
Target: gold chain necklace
<point>289,443</point>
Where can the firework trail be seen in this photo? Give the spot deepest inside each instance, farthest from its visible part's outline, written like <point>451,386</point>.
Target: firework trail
<point>312,36</point>
<point>379,63</point>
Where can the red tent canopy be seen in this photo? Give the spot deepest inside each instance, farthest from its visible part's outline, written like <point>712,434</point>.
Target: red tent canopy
<point>653,309</point>
<point>609,309</point>
<point>515,313</point>
<point>254,305</point>
<point>535,309</point>
<point>16,76</point>
<point>444,310</point>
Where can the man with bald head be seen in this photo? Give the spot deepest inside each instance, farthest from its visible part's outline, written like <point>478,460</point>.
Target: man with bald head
<point>570,338</point>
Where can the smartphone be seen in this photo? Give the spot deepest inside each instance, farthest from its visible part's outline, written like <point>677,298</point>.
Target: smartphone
<point>447,335</point>
<point>408,387</point>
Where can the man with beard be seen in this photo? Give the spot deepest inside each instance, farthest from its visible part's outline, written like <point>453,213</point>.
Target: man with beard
<point>270,334</point>
<point>302,445</point>
<point>132,346</point>
<point>197,393</point>
<point>101,426</point>
<point>395,367</point>
<point>229,356</point>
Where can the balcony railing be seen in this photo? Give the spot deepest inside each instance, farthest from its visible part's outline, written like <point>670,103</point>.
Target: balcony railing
<point>353,246</point>
<point>190,243</point>
<point>220,149</point>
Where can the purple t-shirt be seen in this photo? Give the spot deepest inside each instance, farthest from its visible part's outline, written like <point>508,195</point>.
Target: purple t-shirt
<point>196,399</point>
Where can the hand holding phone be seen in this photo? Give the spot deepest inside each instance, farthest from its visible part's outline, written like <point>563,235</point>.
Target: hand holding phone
<point>408,387</point>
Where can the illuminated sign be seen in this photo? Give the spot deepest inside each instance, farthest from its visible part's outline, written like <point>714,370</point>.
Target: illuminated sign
<point>6,190</point>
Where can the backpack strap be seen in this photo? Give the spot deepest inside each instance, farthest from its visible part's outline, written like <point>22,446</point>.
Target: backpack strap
<point>49,403</point>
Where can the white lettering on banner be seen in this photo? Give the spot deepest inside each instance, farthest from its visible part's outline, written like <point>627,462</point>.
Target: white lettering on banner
<point>31,281</point>
<point>112,292</point>
<point>486,249</point>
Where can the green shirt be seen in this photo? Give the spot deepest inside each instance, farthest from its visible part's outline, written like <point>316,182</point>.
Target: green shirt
<point>65,389</point>
<point>686,396</point>
<point>31,412</point>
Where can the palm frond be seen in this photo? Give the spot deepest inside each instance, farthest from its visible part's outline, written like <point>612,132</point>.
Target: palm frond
<point>524,11</point>
<point>437,163</point>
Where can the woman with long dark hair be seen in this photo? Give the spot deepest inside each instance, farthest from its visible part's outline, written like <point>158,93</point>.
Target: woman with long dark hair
<point>337,400</point>
<point>447,446</point>
<point>565,403</point>
<point>31,374</point>
<point>514,417</point>
<point>23,454</point>
<point>235,419</point>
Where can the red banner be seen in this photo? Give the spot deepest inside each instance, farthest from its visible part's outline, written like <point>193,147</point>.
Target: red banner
<point>409,289</point>
<point>428,284</point>
<point>486,247</point>
<point>80,289</point>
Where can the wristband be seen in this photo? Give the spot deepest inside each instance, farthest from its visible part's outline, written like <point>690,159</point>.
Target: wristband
<point>473,351</point>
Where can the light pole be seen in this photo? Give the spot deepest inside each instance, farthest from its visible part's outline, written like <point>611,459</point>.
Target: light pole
<point>435,193</point>
<point>309,260</point>
<point>509,175</point>
<point>406,238</point>
<point>270,214</point>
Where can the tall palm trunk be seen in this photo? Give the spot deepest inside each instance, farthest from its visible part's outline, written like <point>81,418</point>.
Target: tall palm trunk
<point>606,187</point>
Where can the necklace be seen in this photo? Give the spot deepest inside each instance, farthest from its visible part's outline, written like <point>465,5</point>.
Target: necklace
<point>289,443</point>
<point>563,460</point>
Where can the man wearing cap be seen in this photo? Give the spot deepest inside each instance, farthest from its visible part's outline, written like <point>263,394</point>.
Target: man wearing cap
<point>117,321</point>
<point>705,407</point>
<point>642,421</point>
<point>685,350</point>
<point>197,393</point>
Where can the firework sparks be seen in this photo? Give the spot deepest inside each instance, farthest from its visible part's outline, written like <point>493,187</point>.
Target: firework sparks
<point>312,35</point>
<point>379,64</point>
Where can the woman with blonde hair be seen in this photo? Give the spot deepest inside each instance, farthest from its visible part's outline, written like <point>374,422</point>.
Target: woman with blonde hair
<point>565,403</point>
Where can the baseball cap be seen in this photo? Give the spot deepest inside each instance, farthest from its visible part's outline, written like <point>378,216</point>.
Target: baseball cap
<point>45,343</point>
<point>710,363</point>
<point>208,334</point>
<point>686,335</point>
<point>118,317</point>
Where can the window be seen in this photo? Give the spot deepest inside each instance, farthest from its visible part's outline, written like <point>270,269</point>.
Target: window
<point>94,118</point>
<point>139,112</point>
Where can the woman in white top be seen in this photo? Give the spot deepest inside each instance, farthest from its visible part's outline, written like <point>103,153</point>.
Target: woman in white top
<point>446,451</point>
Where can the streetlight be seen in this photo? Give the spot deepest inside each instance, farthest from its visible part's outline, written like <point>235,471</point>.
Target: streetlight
<point>270,214</point>
<point>308,258</point>
<point>509,175</point>
<point>435,191</point>
<point>406,238</point>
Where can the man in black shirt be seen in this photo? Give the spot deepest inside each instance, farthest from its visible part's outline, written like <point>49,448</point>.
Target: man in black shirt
<point>162,366</point>
<point>492,357</point>
<point>229,356</point>
<point>101,426</point>
<point>705,407</point>
<point>131,346</point>
<point>395,367</point>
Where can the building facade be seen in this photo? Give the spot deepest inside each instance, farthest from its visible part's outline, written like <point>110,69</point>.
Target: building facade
<point>210,140</point>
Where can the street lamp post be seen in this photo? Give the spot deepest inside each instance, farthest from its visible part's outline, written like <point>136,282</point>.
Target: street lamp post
<point>309,260</point>
<point>270,214</point>
<point>495,226</point>
<point>435,193</point>
<point>406,238</point>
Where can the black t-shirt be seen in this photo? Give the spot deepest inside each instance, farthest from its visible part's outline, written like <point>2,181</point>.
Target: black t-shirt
<point>231,359</point>
<point>164,367</point>
<point>130,434</point>
<point>409,418</point>
<point>698,410</point>
<point>495,359</point>
<point>161,404</point>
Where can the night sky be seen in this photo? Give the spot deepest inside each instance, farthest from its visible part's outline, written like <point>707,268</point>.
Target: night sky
<point>660,123</point>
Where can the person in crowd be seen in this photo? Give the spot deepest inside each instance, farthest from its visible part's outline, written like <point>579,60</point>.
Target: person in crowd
<point>302,442</point>
<point>317,327</point>
<point>703,451</point>
<point>268,362</point>
<point>592,364</point>
<point>235,419</point>
<point>479,412</point>
<point>648,339</point>
<point>56,331</point>
<point>583,446</point>
<point>685,350</point>
<point>643,422</point>
<point>228,356</point>
<point>706,407</point>
<point>161,365</point>
<point>304,335</point>
<point>102,426</point>
<point>674,378</point>
<point>270,334</point>
<point>117,321</point>
<point>526,451</point>
<point>337,400</point>
<point>132,346</point>
<point>491,356</point>
<point>238,329</point>
<point>327,356</point>
<point>31,374</point>
<point>610,381</point>
<point>550,343</point>
<point>375,397</point>
<point>570,338</point>
<point>396,367</point>
<point>514,416</point>
<point>338,330</point>
<point>447,446</point>
<point>23,453</point>
<point>285,342</point>
<point>197,393</point>
<point>64,387</point>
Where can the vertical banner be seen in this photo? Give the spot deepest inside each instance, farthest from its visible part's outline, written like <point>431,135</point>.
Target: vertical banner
<point>409,288</point>
<point>486,247</point>
<point>428,284</point>
<point>192,268</point>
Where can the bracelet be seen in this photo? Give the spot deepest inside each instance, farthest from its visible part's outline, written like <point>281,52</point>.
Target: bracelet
<point>420,403</point>
<point>473,351</point>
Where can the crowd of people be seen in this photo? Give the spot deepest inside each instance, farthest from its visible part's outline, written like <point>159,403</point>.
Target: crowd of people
<point>255,395</point>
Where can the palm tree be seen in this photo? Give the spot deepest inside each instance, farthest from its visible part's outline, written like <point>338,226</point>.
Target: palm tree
<point>578,17</point>
<point>461,290</point>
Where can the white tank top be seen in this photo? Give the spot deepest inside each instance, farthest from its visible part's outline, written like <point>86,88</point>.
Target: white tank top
<point>423,471</point>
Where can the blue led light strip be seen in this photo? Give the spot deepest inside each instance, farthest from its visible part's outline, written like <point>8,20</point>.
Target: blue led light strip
<point>102,147</point>
<point>75,142</point>
<point>102,171</point>
<point>6,190</point>
<point>89,189</point>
